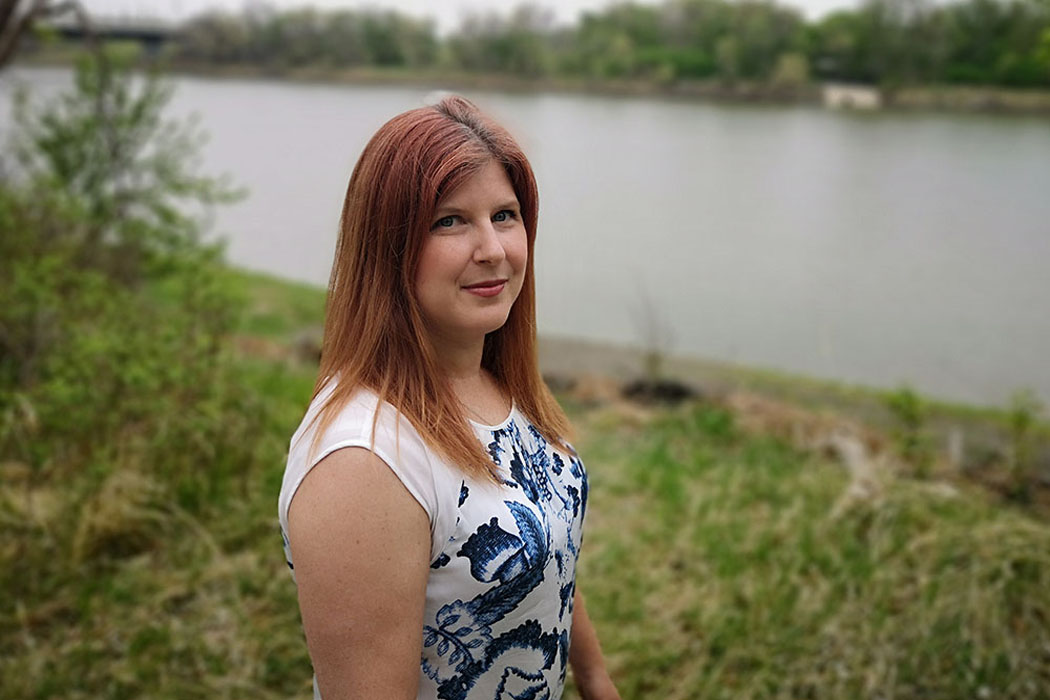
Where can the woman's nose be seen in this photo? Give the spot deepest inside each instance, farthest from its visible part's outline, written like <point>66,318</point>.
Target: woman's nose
<point>489,248</point>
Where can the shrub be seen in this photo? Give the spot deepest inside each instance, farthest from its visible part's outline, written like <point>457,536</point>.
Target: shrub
<point>1022,417</point>
<point>113,354</point>
<point>912,442</point>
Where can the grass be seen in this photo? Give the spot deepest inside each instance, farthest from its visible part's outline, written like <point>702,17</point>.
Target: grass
<point>117,591</point>
<point>277,309</point>
<point>717,563</point>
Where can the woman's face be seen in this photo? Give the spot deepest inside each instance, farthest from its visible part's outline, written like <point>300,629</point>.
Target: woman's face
<point>473,260</point>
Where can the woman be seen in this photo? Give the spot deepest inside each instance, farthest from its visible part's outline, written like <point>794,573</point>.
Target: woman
<point>430,501</point>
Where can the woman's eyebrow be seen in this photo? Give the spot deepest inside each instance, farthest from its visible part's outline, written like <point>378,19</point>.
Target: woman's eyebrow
<point>453,209</point>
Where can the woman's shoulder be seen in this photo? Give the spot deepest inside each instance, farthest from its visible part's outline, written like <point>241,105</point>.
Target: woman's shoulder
<point>351,416</point>
<point>357,420</point>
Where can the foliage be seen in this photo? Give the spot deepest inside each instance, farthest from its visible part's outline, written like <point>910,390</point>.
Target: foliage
<point>117,168</point>
<point>122,419</point>
<point>306,36</point>
<point>518,45</point>
<point>140,457</point>
<point>137,451</point>
<point>1022,419</point>
<point>967,41</point>
<point>884,42</point>
<point>913,444</point>
<point>96,207</point>
<point>21,17</point>
<point>717,564</point>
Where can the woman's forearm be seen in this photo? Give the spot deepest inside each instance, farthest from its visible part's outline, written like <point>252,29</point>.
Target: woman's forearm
<point>585,657</point>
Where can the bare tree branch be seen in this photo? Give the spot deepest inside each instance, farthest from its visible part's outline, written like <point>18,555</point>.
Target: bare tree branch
<point>7,9</point>
<point>14,25</point>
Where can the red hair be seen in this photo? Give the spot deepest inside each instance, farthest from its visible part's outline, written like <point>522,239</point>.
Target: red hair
<point>374,334</point>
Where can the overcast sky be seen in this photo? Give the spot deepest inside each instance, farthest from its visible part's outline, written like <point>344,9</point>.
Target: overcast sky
<point>447,13</point>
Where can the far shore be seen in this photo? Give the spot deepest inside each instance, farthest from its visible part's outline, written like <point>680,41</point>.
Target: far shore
<point>946,98</point>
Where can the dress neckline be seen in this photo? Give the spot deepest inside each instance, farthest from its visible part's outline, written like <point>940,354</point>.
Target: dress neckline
<point>502,424</point>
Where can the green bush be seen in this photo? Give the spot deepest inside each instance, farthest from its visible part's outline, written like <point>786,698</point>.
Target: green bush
<point>115,314</point>
<point>98,217</point>
<point>1023,419</point>
<point>912,441</point>
<point>126,426</point>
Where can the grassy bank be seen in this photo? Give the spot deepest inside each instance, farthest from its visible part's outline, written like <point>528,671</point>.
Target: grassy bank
<point>721,559</point>
<point>727,565</point>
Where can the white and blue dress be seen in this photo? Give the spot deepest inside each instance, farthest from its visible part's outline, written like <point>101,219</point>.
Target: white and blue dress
<point>503,556</point>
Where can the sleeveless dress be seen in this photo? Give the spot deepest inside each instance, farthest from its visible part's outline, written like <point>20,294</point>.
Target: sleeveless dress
<point>499,593</point>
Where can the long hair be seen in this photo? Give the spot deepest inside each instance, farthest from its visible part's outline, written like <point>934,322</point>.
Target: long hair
<point>374,333</point>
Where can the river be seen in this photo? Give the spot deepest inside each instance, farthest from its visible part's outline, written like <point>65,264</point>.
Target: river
<point>873,249</point>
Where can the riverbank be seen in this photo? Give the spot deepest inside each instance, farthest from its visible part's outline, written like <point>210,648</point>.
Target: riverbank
<point>738,545</point>
<point>959,441</point>
<point>946,98</point>
<point>942,98</point>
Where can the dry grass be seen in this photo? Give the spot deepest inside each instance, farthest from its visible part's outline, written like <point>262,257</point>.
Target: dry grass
<point>721,560</point>
<point>731,570</point>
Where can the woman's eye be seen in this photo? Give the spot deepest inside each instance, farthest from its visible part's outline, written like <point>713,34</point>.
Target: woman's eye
<point>445,222</point>
<point>503,215</point>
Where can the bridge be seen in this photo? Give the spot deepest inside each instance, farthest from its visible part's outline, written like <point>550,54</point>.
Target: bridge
<point>152,33</point>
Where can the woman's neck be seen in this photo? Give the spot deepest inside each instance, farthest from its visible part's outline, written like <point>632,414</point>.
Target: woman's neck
<point>461,363</point>
<point>481,398</point>
<point>476,389</point>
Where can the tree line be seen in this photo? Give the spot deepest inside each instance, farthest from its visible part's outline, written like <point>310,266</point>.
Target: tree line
<point>881,42</point>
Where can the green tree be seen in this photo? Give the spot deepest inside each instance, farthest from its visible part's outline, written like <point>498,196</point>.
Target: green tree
<point>106,152</point>
<point>1042,54</point>
<point>692,29</point>
<point>217,37</point>
<point>394,39</point>
<point>342,40</point>
<point>518,44</point>
<point>764,31</point>
<point>115,310</point>
<point>791,71</point>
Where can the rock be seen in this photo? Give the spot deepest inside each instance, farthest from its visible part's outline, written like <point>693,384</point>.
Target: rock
<point>559,383</point>
<point>666,391</point>
<point>307,344</point>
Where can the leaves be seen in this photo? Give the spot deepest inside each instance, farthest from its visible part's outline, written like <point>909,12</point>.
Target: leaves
<point>888,42</point>
<point>115,313</point>
<point>106,153</point>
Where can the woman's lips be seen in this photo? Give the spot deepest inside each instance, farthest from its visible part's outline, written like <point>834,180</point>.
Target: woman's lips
<point>489,288</point>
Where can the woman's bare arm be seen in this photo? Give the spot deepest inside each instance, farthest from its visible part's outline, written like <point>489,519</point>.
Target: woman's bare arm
<point>585,656</point>
<point>361,546</point>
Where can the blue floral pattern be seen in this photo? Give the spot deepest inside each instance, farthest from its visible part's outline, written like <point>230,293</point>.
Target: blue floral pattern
<point>517,548</point>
